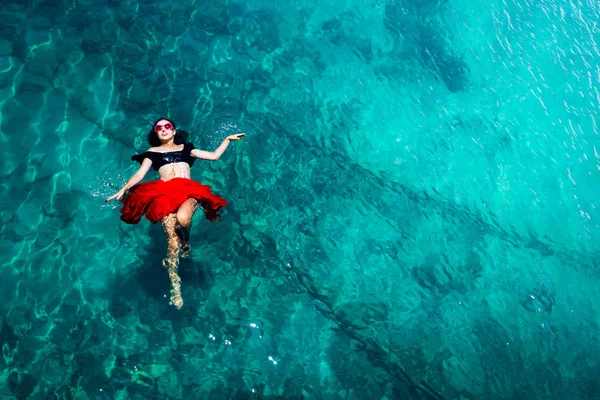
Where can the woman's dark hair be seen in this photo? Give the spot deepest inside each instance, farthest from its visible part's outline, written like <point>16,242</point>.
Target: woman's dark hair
<point>180,137</point>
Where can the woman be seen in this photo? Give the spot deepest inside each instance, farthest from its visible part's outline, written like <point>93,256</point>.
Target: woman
<point>174,197</point>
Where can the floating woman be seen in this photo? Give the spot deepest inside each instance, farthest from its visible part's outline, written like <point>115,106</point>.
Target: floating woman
<point>174,197</point>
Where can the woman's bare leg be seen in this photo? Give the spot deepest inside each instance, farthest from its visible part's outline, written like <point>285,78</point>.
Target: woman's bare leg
<point>184,219</point>
<point>171,262</point>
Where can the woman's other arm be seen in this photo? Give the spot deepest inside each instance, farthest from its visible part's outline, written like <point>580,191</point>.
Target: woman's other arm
<point>215,155</point>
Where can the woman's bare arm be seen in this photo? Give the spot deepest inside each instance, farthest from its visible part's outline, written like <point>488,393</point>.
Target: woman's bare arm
<point>134,180</point>
<point>215,155</point>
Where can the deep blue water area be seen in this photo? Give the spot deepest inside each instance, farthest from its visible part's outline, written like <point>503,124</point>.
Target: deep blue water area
<point>412,214</point>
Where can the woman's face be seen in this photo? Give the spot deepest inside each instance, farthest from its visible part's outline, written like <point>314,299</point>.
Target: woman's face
<point>164,129</point>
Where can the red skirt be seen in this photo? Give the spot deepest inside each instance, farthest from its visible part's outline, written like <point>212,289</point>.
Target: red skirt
<point>157,199</point>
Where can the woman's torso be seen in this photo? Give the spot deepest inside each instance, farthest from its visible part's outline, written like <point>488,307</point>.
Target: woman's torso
<point>172,170</point>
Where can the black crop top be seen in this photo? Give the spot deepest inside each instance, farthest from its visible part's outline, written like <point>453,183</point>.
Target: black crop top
<point>160,159</point>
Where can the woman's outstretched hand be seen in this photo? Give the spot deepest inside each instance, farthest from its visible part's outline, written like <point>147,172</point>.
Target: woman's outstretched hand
<point>237,136</point>
<point>117,196</point>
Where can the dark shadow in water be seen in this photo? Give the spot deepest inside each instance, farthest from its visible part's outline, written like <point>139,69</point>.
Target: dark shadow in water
<point>410,20</point>
<point>433,53</point>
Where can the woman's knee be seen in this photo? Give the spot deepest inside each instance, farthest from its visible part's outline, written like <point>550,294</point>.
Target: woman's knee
<point>186,212</point>
<point>184,217</point>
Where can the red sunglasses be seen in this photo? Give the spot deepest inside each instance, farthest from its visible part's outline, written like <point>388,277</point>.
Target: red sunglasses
<point>157,127</point>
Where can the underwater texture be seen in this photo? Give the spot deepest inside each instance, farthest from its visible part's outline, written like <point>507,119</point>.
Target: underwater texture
<point>411,216</point>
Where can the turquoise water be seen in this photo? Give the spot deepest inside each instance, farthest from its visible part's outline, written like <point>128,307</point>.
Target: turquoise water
<point>412,214</point>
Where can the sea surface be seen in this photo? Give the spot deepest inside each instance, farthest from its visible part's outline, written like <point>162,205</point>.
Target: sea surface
<point>412,214</point>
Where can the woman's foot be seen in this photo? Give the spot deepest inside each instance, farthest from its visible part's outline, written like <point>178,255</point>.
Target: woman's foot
<point>185,250</point>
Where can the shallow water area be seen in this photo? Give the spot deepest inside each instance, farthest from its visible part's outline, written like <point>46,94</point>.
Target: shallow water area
<point>411,216</point>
